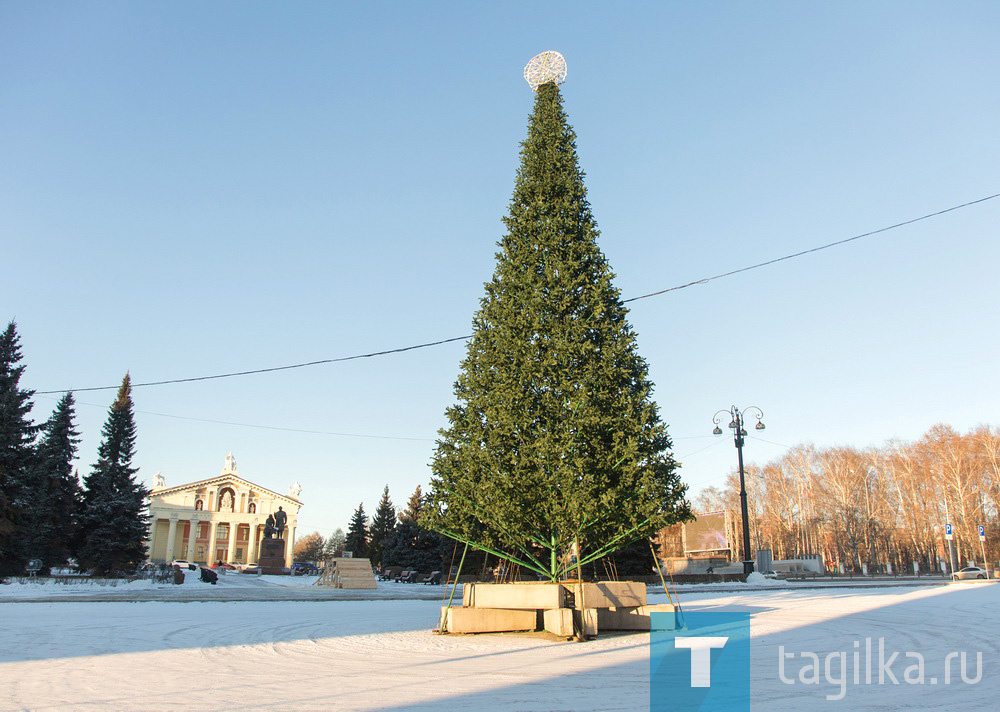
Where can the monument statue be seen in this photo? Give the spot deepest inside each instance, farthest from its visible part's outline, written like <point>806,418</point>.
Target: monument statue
<point>158,481</point>
<point>269,528</point>
<point>279,522</point>
<point>227,502</point>
<point>295,490</point>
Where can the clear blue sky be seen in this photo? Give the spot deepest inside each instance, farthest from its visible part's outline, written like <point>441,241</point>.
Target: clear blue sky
<point>194,188</point>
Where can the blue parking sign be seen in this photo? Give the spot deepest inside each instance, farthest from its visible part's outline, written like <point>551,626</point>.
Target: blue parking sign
<point>982,533</point>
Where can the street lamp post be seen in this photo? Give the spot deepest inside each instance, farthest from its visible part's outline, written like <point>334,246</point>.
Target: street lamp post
<point>736,425</point>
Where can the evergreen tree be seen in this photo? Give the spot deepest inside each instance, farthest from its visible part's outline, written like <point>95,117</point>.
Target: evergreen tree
<point>334,546</point>
<point>555,438</point>
<point>413,547</point>
<point>114,521</point>
<point>17,437</point>
<point>383,523</point>
<point>357,533</point>
<point>413,507</point>
<point>54,508</point>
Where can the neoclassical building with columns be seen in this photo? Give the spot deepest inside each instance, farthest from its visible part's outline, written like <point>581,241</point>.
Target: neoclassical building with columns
<point>218,519</point>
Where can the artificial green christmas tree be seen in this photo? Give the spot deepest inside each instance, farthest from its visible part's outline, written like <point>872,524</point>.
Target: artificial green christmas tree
<point>554,442</point>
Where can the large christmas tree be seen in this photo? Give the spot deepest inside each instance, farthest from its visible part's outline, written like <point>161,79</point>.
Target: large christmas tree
<point>555,441</point>
<point>114,522</point>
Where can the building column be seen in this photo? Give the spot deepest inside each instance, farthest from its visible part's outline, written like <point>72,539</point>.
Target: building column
<point>232,542</point>
<point>171,538</point>
<point>254,544</point>
<point>192,537</point>
<point>289,546</point>
<point>210,556</point>
<point>152,538</point>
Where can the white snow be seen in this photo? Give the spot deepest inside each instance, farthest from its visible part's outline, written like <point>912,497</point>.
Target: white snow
<point>381,654</point>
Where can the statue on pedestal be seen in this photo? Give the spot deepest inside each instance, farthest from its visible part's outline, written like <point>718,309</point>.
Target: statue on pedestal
<point>269,529</point>
<point>280,518</point>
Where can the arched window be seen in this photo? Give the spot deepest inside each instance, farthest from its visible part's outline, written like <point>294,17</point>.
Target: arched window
<point>199,504</point>
<point>253,508</point>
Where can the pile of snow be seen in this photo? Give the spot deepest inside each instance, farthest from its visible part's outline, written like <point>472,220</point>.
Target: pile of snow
<point>758,579</point>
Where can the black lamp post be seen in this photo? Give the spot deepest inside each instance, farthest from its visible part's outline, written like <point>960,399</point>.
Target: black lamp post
<point>736,425</point>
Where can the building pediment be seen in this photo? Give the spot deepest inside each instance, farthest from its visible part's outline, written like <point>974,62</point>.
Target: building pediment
<point>219,483</point>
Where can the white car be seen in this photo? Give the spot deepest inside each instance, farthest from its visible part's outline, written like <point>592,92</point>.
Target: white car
<point>971,572</point>
<point>184,564</point>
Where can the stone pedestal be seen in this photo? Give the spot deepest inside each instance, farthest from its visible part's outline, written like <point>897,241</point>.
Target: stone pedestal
<point>272,556</point>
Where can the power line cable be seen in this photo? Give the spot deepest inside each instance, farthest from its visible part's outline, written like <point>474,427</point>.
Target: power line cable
<point>704,280</point>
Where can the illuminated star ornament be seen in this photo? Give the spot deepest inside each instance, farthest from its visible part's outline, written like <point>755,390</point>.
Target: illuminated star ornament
<point>544,68</point>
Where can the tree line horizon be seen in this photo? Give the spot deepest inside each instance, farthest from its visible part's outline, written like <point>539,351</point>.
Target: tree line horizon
<point>873,505</point>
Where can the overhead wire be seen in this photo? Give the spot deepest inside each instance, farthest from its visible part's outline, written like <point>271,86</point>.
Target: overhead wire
<point>414,347</point>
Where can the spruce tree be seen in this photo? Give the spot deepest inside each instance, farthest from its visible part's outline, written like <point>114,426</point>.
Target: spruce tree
<point>555,440</point>
<point>413,547</point>
<point>357,533</point>
<point>54,509</point>
<point>383,523</point>
<point>413,507</point>
<point>17,437</point>
<point>114,521</point>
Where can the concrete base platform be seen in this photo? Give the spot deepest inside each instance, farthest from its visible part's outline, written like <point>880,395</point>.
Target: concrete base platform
<point>533,596</point>
<point>635,617</point>
<point>607,594</point>
<point>487,620</point>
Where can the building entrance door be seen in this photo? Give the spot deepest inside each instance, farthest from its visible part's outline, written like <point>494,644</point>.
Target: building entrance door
<point>220,555</point>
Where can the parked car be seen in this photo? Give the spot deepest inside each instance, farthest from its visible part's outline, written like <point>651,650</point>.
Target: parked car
<point>971,572</point>
<point>223,565</point>
<point>184,564</point>
<point>304,568</point>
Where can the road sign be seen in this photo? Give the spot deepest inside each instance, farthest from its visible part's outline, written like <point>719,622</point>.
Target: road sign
<point>947,532</point>
<point>982,533</point>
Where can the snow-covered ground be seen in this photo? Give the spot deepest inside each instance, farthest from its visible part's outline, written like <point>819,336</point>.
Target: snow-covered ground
<point>230,587</point>
<point>380,654</point>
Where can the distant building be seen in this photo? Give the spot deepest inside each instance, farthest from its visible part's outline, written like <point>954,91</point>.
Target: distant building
<point>218,519</point>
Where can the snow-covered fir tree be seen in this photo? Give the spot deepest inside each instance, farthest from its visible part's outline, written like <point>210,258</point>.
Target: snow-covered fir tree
<point>357,533</point>
<point>54,508</point>
<point>114,521</point>
<point>383,523</point>
<point>17,437</point>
